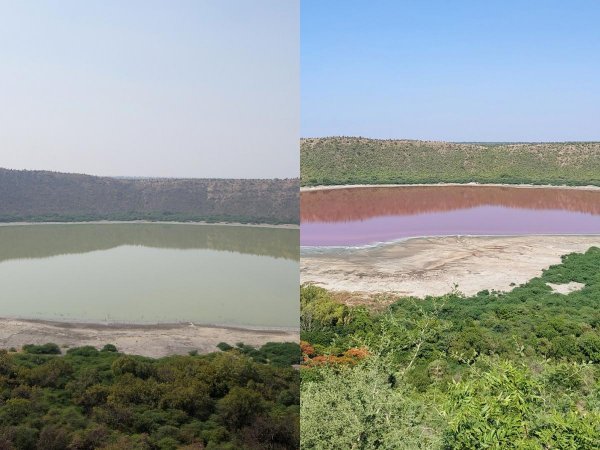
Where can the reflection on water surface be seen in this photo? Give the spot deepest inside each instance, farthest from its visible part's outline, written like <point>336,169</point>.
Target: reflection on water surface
<point>149,273</point>
<point>359,216</point>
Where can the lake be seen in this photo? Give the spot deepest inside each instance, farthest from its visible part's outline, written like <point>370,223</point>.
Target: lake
<point>150,273</point>
<point>363,216</point>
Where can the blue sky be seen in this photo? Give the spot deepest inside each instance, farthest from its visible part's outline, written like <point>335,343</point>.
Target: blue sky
<point>451,70</point>
<point>184,88</point>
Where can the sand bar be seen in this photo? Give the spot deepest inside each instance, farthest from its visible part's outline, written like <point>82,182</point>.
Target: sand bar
<point>432,266</point>
<point>147,340</point>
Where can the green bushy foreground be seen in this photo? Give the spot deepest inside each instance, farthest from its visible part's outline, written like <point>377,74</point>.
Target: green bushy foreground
<point>355,160</point>
<point>241,398</point>
<point>516,370</point>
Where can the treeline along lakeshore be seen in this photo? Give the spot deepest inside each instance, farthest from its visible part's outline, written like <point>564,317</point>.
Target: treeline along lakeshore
<point>52,196</point>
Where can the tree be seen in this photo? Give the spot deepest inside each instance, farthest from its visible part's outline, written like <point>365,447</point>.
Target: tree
<point>239,407</point>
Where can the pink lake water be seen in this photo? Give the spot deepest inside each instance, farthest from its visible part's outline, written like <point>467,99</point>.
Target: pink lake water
<point>363,216</point>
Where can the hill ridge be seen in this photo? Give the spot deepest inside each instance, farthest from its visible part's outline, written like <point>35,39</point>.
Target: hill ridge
<point>41,195</point>
<point>358,160</point>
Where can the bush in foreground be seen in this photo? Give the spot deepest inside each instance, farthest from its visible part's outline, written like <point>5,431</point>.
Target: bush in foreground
<point>90,399</point>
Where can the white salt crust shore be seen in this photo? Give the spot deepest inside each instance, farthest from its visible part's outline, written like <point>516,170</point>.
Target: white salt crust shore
<point>519,186</point>
<point>433,266</point>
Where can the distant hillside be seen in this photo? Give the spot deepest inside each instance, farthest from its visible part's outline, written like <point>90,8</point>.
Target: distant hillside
<point>53,196</point>
<point>350,160</point>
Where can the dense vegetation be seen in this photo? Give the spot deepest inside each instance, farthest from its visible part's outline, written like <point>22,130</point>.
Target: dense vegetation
<point>51,196</point>
<point>241,398</point>
<point>497,370</point>
<point>351,160</point>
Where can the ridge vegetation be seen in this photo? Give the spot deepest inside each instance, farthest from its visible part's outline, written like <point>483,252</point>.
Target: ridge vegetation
<point>357,160</point>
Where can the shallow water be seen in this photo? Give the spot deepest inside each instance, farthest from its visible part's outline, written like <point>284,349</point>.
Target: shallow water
<point>150,273</point>
<point>362,216</point>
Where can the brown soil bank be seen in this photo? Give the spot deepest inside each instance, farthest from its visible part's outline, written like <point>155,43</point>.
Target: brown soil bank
<point>148,340</point>
<point>432,266</point>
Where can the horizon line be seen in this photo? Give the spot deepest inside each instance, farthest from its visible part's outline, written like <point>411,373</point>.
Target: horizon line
<point>144,177</point>
<point>451,141</point>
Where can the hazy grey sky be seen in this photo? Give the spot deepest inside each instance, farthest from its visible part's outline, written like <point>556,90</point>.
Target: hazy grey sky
<point>198,88</point>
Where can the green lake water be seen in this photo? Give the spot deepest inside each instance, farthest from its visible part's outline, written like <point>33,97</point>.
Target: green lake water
<point>150,273</point>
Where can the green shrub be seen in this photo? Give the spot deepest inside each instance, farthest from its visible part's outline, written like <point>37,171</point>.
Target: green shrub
<point>91,399</point>
<point>45,349</point>
<point>87,350</point>
<point>495,370</point>
<point>109,348</point>
<point>224,346</point>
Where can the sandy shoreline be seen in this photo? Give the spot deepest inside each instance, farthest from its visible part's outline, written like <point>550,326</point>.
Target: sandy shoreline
<point>432,266</point>
<point>109,222</point>
<point>147,340</point>
<point>520,186</point>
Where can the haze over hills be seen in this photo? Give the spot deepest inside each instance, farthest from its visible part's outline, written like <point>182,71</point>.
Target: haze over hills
<point>53,196</point>
<point>358,160</point>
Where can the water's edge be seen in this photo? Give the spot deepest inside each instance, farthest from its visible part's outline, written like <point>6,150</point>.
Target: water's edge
<point>118,325</point>
<point>324,249</point>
